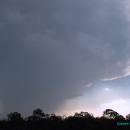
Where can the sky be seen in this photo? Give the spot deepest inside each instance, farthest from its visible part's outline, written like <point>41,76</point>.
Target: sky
<point>64,56</point>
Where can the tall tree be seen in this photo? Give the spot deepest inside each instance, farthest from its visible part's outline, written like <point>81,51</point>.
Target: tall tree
<point>110,114</point>
<point>14,116</point>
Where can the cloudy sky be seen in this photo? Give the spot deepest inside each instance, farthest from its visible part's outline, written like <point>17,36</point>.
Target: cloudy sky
<point>64,56</point>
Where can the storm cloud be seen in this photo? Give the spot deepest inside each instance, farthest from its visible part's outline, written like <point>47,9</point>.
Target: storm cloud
<point>51,49</point>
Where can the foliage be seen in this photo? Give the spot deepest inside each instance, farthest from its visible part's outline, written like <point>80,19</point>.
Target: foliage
<point>80,121</point>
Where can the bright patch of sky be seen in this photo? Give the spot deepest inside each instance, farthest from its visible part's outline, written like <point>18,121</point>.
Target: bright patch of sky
<point>100,96</point>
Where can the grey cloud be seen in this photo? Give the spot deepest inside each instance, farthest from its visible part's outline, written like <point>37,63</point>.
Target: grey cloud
<point>49,49</point>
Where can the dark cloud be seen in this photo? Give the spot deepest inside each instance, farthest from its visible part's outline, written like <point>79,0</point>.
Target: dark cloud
<point>50,49</point>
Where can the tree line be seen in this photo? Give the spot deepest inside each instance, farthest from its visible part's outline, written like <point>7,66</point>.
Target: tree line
<point>110,120</point>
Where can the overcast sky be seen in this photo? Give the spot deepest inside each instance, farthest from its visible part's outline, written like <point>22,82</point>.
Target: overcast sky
<point>64,55</point>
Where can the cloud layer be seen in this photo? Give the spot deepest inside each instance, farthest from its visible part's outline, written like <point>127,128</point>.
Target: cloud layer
<point>50,49</point>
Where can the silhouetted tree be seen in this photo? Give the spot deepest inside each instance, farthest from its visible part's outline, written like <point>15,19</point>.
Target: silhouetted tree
<point>110,114</point>
<point>14,116</point>
<point>83,115</point>
<point>56,118</point>
<point>39,113</point>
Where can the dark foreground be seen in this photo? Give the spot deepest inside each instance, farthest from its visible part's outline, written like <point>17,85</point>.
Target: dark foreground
<point>110,120</point>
